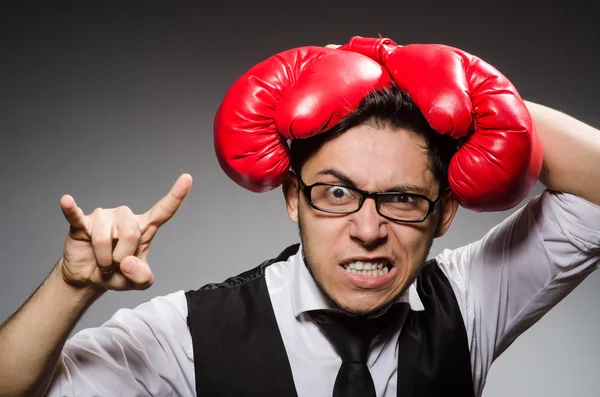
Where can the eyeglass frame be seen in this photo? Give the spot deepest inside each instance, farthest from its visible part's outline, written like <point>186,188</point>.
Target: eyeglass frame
<point>433,204</point>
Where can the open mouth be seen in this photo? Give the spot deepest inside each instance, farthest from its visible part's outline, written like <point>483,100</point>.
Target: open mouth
<point>374,269</point>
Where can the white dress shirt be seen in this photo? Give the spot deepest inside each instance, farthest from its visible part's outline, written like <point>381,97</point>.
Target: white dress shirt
<point>503,283</point>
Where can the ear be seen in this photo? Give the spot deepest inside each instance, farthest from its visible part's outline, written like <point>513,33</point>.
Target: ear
<point>447,210</point>
<point>290,193</point>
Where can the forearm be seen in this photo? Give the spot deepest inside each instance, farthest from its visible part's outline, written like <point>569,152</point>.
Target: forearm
<point>571,153</point>
<point>31,340</point>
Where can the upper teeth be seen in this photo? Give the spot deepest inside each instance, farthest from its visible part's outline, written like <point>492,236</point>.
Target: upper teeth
<point>367,268</point>
<point>359,265</point>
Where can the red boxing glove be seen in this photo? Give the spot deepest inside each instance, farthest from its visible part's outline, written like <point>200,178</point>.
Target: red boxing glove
<point>295,94</point>
<point>462,96</point>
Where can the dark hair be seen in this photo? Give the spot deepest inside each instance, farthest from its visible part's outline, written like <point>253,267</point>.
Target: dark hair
<point>387,107</point>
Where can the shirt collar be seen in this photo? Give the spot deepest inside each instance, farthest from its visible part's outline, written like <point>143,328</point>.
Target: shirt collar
<point>306,294</point>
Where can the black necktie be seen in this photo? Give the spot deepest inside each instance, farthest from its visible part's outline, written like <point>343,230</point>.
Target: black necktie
<point>351,337</point>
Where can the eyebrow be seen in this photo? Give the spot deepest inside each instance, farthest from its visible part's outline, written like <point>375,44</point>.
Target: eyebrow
<point>346,180</point>
<point>340,176</point>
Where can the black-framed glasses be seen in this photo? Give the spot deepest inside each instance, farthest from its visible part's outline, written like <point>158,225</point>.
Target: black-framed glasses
<point>336,198</point>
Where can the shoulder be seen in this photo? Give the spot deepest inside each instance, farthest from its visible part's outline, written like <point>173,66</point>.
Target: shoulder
<point>277,271</point>
<point>173,305</point>
<point>160,317</point>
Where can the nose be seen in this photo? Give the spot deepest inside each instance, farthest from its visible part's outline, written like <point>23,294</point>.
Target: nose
<point>367,227</point>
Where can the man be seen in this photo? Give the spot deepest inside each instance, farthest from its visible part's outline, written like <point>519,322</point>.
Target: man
<point>497,286</point>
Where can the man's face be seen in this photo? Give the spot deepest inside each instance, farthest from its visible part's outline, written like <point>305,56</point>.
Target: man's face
<point>377,160</point>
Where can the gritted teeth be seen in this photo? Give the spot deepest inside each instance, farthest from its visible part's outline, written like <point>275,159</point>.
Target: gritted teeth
<point>368,268</point>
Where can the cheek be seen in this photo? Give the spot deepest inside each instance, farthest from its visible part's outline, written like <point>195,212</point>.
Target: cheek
<point>322,235</point>
<point>412,241</point>
<point>323,230</point>
<point>412,237</point>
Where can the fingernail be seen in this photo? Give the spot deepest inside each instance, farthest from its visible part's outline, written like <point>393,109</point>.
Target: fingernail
<point>130,265</point>
<point>106,270</point>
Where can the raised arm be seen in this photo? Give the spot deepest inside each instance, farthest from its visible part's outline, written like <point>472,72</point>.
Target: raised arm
<point>105,250</point>
<point>571,153</point>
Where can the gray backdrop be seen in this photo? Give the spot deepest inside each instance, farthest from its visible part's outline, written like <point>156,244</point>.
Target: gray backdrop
<point>112,101</point>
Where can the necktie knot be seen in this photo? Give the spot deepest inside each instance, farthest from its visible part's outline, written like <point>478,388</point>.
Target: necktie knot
<point>351,336</point>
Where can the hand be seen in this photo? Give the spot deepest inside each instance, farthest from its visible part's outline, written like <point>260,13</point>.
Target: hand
<point>108,249</point>
<point>295,94</point>
<point>460,95</point>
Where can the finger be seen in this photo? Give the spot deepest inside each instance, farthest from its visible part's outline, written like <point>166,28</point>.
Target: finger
<point>115,281</point>
<point>128,234</point>
<point>73,214</point>
<point>102,242</point>
<point>166,207</point>
<point>137,272</point>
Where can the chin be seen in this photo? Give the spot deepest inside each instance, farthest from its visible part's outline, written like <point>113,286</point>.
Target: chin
<point>360,305</point>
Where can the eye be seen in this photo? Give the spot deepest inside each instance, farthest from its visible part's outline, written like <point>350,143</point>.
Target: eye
<point>399,198</point>
<point>402,198</point>
<point>339,192</point>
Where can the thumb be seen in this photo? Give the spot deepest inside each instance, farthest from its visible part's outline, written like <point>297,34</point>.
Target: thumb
<point>137,272</point>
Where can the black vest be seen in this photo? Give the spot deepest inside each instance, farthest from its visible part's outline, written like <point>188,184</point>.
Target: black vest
<point>238,349</point>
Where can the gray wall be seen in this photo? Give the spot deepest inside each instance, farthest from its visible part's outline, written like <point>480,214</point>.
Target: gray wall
<point>111,102</point>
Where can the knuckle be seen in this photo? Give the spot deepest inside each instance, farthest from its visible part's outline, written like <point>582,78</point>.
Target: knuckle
<point>101,240</point>
<point>123,210</point>
<point>130,234</point>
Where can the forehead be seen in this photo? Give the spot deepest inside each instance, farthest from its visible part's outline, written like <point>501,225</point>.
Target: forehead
<point>375,158</point>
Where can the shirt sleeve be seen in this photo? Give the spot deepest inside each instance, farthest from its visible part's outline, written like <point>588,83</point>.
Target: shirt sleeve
<point>146,351</point>
<point>520,269</point>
